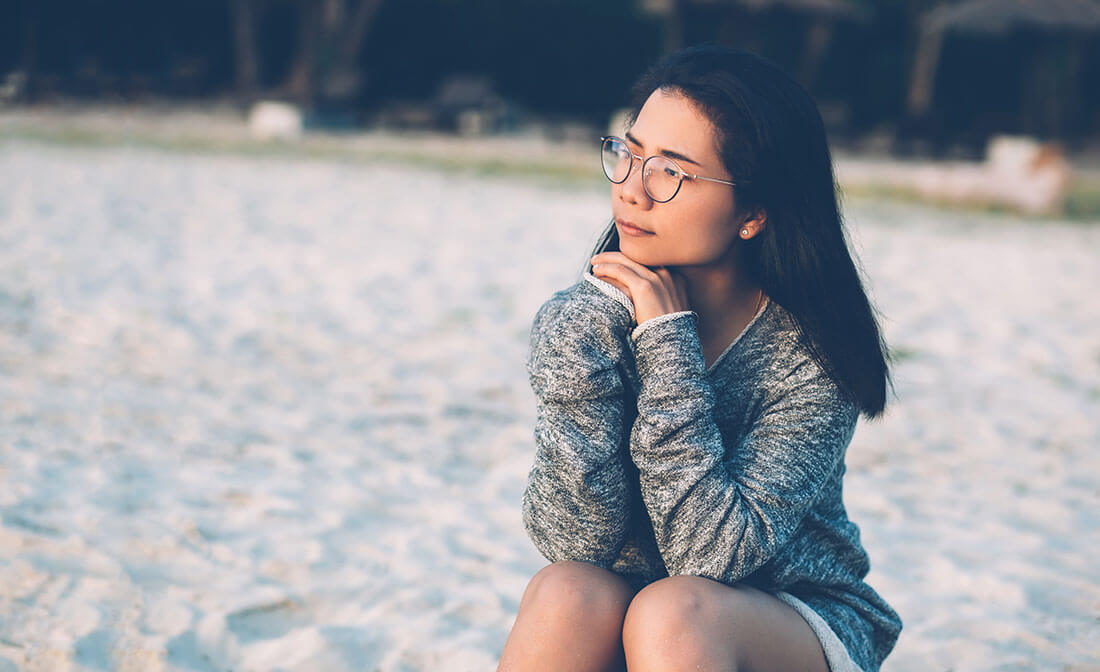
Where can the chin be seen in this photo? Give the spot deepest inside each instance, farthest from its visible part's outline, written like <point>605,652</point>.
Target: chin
<point>641,256</point>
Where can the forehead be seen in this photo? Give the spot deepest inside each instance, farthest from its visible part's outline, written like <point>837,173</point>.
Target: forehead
<point>671,121</point>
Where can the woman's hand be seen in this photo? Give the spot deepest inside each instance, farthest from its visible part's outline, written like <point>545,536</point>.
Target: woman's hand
<point>653,291</point>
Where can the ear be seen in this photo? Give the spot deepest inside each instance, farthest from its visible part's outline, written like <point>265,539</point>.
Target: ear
<point>752,224</point>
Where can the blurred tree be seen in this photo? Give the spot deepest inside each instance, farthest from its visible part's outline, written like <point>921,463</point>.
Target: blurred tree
<point>244,43</point>
<point>1023,58</point>
<point>742,22</point>
<point>326,68</point>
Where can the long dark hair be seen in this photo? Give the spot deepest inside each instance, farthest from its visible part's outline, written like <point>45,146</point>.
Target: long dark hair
<point>772,142</point>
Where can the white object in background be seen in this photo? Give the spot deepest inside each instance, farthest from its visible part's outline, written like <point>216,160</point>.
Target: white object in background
<point>1030,175</point>
<point>272,120</point>
<point>1019,172</point>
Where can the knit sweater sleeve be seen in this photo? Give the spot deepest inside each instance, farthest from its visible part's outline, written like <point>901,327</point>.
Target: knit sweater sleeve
<point>575,505</point>
<point>723,511</point>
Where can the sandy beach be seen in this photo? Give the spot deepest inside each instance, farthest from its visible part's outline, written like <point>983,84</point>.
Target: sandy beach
<point>269,414</point>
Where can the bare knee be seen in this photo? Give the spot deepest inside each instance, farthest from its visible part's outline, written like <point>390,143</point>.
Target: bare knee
<point>570,618</point>
<point>665,609</point>
<point>670,624</point>
<point>580,588</point>
<point>694,623</point>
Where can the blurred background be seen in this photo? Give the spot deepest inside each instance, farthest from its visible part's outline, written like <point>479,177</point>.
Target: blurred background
<point>927,75</point>
<point>937,79</point>
<point>268,270</point>
<point>938,75</point>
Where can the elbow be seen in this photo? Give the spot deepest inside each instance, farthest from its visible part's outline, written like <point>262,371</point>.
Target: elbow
<point>537,530</point>
<point>558,536</point>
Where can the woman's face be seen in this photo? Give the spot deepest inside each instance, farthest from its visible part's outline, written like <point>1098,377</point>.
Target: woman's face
<point>698,225</point>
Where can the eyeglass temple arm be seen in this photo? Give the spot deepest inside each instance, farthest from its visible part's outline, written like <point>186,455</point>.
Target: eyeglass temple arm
<point>711,179</point>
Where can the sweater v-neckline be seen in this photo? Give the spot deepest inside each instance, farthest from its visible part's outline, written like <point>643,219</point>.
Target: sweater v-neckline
<point>718,360</point>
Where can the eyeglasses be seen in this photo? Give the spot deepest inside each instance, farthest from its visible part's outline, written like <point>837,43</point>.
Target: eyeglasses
<point>661,176</point>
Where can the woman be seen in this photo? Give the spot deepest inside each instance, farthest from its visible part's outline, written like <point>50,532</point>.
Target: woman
<point>697,390</point>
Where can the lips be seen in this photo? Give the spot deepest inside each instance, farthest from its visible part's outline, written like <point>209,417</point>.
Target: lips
<point>631,225</point>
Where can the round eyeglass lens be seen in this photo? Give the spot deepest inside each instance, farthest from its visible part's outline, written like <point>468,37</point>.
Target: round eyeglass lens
<point>661,178</point>
<point>616,159</point>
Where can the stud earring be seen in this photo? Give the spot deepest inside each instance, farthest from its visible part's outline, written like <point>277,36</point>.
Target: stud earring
<point>744,232</point>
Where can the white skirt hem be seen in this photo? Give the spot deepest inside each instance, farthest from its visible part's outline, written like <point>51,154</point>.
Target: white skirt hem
<point>836,654</point>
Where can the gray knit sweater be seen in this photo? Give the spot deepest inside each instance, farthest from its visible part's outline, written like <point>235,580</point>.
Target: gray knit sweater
<point>651,464</point>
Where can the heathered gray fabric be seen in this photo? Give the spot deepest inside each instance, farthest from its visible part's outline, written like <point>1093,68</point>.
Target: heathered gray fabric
<point>649,464</point>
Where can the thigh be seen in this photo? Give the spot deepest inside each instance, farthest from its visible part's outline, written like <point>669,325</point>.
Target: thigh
<point>776,636</point>
<point>712,623</point>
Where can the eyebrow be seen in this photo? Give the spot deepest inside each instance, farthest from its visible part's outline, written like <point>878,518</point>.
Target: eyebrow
<point>666,152</point>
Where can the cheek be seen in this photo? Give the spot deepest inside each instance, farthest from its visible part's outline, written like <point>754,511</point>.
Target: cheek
<point>704,235</point>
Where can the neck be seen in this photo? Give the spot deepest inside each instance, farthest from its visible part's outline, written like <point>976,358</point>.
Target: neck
<point>722,296</point>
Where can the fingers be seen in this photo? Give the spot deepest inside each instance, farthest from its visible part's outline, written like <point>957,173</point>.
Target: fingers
<point>653,291</point>
<point>622,277</point>
<point>669,281</point>
<point>640,279</point>
<point>617,283</point>
<point>675,281</point>
<point>630,272</point>
<point>640,270</point>
<point>665,275</point>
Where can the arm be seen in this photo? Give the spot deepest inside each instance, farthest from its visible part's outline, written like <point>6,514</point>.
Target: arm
<point>576,502</point>
<point>717,516</point>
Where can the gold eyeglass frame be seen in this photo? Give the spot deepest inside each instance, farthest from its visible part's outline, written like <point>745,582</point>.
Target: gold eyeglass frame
<point>683,173</point>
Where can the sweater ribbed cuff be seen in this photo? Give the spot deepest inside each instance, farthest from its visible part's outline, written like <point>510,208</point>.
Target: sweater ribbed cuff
<point>612,292</point>
<point>653,321</point>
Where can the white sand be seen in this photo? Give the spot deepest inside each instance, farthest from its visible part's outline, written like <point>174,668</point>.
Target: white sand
<point>267,414</point>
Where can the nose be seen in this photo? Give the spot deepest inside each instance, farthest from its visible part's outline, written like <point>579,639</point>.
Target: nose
<point>632,190</point>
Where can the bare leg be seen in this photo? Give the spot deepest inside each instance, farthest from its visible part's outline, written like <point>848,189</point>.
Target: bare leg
<point>570,620</point>
<point>695,623</point>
